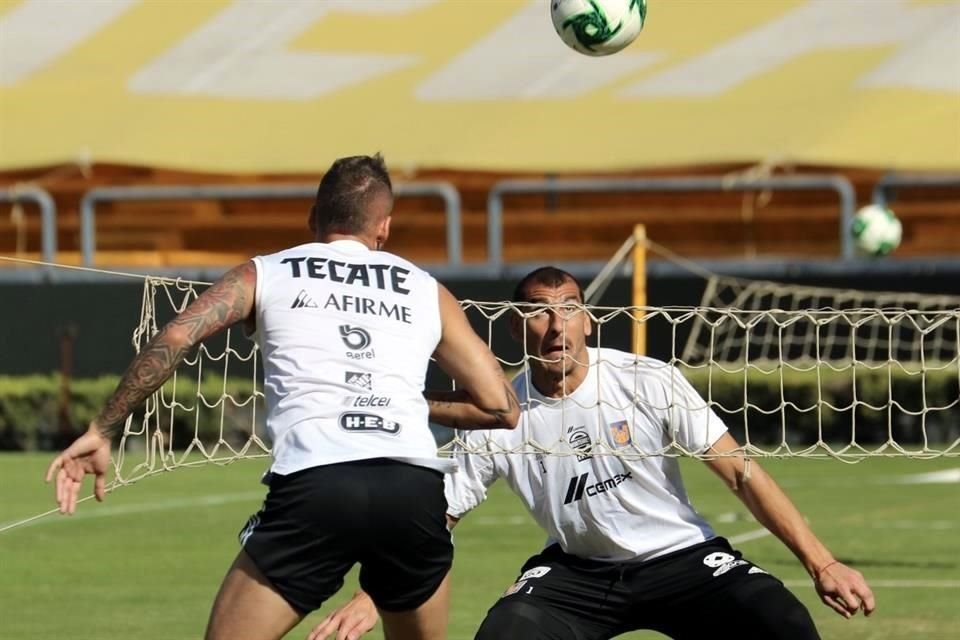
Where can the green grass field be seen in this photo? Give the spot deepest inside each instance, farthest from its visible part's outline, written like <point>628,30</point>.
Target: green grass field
<point>147,562</point>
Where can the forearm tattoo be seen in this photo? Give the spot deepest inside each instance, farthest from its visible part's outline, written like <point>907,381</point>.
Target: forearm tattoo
<point>446,405</point>
<point>222,305</point>
<point>512,403</point>
<point>451,408</point>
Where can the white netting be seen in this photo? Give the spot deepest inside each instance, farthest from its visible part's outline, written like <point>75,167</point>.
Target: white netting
<point>211,410</point>
<point>788,381</point>
<point>913,329</point>
<point>785,398</point>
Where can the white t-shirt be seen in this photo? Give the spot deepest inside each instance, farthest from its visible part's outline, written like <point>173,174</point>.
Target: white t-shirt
<point>346,335</point>
<point>597,506</point>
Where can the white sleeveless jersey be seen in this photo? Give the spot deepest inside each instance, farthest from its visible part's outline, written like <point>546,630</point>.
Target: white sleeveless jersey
<point>346,335</point>
<point>599,507</point>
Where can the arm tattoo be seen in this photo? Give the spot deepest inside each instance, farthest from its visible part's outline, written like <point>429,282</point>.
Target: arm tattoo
<point>512,403</point>
<point>459,409</point>
<point>222,305</point>
<point>436,405</point>
<point>446,401</point>
<point>146,373</point>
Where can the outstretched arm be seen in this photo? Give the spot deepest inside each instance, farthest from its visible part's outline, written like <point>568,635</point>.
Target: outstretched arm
<point>487,400</point>
<point>227,302</point>
<point>841,588</point>
<point>458,410</point>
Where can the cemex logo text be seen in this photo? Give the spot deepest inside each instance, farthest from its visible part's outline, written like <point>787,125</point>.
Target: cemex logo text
<point>578,486</point>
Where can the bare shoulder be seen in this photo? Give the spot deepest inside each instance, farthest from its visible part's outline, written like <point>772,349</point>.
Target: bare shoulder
<point>236,287</point>
<point>242,273</point>
<point>449,305</point>
<point>242,280</point>
<point>228,301</point>
<point>445,294</point>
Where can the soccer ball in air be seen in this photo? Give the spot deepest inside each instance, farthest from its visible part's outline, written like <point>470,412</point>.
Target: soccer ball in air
<point>876,230</point>
<point>598,27</point>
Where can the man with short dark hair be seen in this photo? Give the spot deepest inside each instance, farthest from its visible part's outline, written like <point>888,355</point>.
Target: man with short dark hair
<point>627,550</point>
<point>346,192</point>
<point>346,333</point>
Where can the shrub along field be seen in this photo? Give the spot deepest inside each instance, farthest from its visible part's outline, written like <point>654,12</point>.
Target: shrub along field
<point>800,408</point>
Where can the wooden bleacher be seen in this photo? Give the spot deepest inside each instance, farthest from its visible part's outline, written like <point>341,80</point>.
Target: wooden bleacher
<point>570,227</point>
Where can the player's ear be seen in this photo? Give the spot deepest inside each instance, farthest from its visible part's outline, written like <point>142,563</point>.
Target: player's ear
<point>587,323</point>
<point>383,232</point>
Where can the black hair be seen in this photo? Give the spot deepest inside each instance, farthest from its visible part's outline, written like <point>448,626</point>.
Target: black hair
<point>548,276</point>
<point>345,193</point>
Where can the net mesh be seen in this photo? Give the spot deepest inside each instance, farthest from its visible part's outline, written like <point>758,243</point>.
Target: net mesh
<point>210,411</point>
<point>780,323</point>
<point>792,371</point>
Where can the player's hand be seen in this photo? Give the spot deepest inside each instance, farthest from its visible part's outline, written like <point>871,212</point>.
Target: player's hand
<point>90,453</point>
<point>844,590</point>
<point>349,622</point>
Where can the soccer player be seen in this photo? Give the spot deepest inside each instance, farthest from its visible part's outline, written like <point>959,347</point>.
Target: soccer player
<point>626,549</point>
<point>346,332</point>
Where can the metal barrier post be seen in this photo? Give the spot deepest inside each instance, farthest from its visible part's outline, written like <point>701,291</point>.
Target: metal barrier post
<point>839,184</point>
<point>48,215</point>
<point>893,180</point>
<point>88,244</point>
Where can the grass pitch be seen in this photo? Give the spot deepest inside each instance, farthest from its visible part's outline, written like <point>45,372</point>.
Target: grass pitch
<point>146,563</point>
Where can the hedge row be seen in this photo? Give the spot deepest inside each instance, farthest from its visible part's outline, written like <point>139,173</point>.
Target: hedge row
<point>800,407</point>
<point>30,409</point>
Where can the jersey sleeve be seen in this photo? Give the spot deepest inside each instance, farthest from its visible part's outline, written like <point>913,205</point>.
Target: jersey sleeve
<point>692,423</point>
<point>467,487</point>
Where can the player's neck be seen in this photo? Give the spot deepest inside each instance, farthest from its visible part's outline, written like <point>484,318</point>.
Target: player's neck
<point>557,385</point>
<point>332,237</point>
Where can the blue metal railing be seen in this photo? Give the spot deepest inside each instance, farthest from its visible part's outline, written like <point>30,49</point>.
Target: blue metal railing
<point>452,202</point>
<point>884,190</point>
<point>839,184</point>
<point>48,215</point>
<point>88,245</point>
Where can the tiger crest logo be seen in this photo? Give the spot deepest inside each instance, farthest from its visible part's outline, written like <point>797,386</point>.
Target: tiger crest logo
<point>621,433</point>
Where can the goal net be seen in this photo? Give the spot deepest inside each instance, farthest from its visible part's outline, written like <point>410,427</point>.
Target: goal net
<point>798,325</point>
<point>210,411</point>
<point>869,373</point>
<point>792,371</point>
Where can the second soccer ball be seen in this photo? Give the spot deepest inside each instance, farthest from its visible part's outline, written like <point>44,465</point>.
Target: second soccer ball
<point>876,230</point>
<point>598,27</point>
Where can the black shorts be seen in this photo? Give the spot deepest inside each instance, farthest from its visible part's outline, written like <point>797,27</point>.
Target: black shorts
<point>690,594</point>
<point>317,523</point>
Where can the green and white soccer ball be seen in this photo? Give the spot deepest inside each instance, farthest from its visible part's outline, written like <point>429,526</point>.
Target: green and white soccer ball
<point>598,27</point>
<point>876,230</point>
